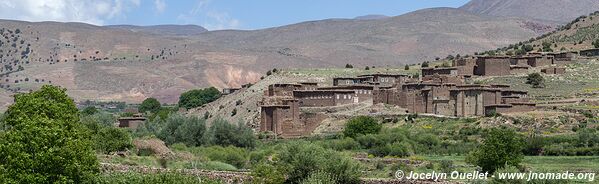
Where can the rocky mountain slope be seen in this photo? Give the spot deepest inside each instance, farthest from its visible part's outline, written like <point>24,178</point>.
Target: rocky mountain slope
<point>130,63</point>
<point>561,11</point>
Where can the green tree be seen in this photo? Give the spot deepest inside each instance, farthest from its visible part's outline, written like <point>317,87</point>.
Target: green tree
<point>527,48</point>
<point>424,64</point>
<point>198,97</point>
<point>224,133</point>
<point>596,43</point>
<point>150,105</point>
<point>89,110</point>
<point>349,66</point>
<point>361,125</point>
<point>111,139</point>
<point>500,147</point>
<point>300,160</point>
<point>536,80</point>
<point>45,143</point>
<point>406,67</point>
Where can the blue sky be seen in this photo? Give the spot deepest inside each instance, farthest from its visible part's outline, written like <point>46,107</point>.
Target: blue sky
<point>212,14</point>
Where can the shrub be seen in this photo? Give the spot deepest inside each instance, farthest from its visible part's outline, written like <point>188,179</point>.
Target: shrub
<point>344,144</point>
<point>536,80</point>
<point>500,147</point>
<point>112,139</point>
<point>361,125</point>
<point>150,105</point>
<point>406,67</point>
<point>320,178</point>
<point>45,143</point>
<point>224,133</point>
<point>90,110</point>
<point>160,178</point>
<point>231,155</point>
<point>181,129</point>
<point>349,66</point>
<point>301,159</point>
<point>198,97</point>
<point>267,174</point>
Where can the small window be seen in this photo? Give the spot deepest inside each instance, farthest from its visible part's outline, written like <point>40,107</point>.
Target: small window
<point>337,97</point>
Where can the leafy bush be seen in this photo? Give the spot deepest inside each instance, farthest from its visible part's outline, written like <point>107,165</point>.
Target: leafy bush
<point>231,155</point>
<point>536,80</point>
<point>224,133</point>
<point>90,110</point>
<point>500,147</point>
<point>210,165</point>
<point>45,143</point>
<point>361,125</point>
<point>267,174</point>
<point>181,129</point>
<point>160,178</point>
<point>150,105</point>
<point>320,178</point>
<point>112,139</point>
<point>198,97</point>
<point>299,160</point>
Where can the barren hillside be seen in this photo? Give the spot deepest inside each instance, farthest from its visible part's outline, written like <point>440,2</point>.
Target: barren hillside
<point>129,63</point>
<point>561,11</point>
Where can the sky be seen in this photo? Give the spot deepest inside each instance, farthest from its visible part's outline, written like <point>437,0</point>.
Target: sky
<point>211,14</point>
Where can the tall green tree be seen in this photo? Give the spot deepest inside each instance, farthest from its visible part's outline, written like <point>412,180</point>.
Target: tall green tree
<point>500,147</point>
<point>536,80</point>
<point>361,125</point>
<point>45,143</point>
<point>150,105</point>
<point>198,97</point>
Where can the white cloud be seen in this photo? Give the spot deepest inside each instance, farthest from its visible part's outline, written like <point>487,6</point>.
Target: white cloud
<point>159,5</point>
<point>87,11</point>
<point>209,18</point>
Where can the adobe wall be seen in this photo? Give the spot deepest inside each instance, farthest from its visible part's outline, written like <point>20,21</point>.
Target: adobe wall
<point>539,61</point>
<point>492,66</point>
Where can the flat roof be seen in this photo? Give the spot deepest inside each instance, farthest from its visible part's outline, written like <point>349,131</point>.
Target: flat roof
<point>382,74</point>
<point>326,91</point>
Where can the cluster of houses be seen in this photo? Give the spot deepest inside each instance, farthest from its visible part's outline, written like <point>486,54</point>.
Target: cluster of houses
<point>438,90</point>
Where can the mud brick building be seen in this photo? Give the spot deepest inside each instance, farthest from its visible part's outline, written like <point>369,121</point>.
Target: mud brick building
<point>492,66</point>
<point>518,69</point>
<point>590,52</point>
<point>563,58</point>
<point>539,60</point>
<point>344,81</point>
<point>362,92</point>
<point>386,79</point>
<point>282,89</point>
<point>465,65</point>
<point>131,122</point>
<point>325,98</point>
<point>554,70</point>
<point>450,71</point>
<point>227,91</point>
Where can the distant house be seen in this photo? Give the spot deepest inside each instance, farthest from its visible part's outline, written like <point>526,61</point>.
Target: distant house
<point>590,52</point>
<point>227,91</point>
<point>131,122</point>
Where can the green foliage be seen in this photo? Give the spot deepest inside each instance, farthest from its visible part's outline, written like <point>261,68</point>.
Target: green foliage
<point>320,178</point>
<point>150,105</point>
<point>45,143</point>
<point>89,110</point>
<point>231,155</point>
<point>198,97</point>
<point>267,174</point>
<point>536,80</point>
<point>547,47</point>
<point>361,125</point>
<point>527,48</point>
<point>106,137</point>
<point>406,67</point>
<point>349,66</point>
<point>181,129</point>
<point>596,43</point>
<point>500,147</point>
<point>112,139</point>
<point>424,64</point>
<point>367,68</point>
<point>301,159</point>
<point>160,178</point>
<point>224,133</point>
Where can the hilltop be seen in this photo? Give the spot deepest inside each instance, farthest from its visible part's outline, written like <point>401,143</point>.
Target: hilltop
<point>131,63</point>
<point>561,11</point>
